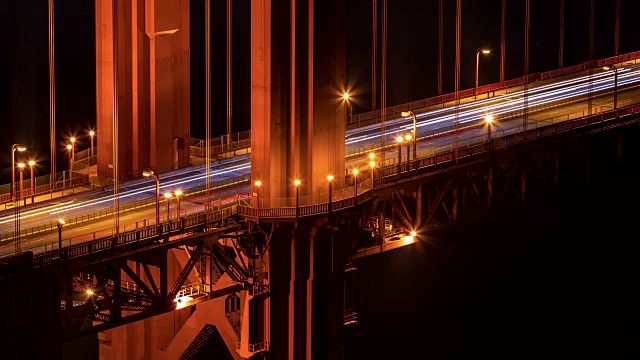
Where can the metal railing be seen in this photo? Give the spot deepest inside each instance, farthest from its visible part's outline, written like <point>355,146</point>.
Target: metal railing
<point>123,208</point>
<point>221,145</point>
<point>519,82</point>
<point>137,236</point>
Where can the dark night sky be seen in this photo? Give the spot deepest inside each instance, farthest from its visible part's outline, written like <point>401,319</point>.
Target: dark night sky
<point>412,57</point>
<point>472,294</point>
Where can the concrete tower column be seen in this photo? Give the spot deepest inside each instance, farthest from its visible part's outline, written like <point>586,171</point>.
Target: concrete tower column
<point>298,121</point>
<point>153,85</point>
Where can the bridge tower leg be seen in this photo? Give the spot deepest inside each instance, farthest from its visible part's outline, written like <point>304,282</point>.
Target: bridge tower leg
<point>419,205</point>
<point>152,71</point>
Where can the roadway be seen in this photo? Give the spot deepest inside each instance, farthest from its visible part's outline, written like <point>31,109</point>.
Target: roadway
<point>549,102</point>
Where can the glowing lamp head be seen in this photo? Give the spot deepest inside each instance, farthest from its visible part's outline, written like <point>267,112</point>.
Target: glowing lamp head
<point>89,292</point>
<point>407,137</point>
<point>21,166</point>
<point>399,139</point>
<point>92,133</point>
<point>167,195</point>
<point>330,178</point>
<point>296,182</point>
<point>372,156</point>
<point>345,96</point>
<point>72,140</point>
<point>258,183</point>
<point>606,68</point>
<point>405,113</point>
<point>413,233</point>
<point>32,163</point>
<point>60,221</point>
<point>178,192</point>
<point>21,148</point>
<point>148,173</point>
<point>489,119</point>
<point>372,164</point>
<point>355,171</point>
<point>69,147</point>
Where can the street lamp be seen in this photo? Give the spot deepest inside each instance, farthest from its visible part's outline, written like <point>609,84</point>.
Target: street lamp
<point>20,148</point>
<point>415,134</point>
<point>258,183</point>
<point>297,184</point>
<point>407,138</point>
<point>346,99</point>
<point>148,173</point>
<point>355,186</point>
<point>178,193</point>
<point>60,224</point>
<point>33,184</point>
<point>372,165</point>
<point>484,51</point>
<point>73,148</point>
<point>21,167</point>
<point>92,134</point>
<point>330,180</point>
<point>399,140</point>
<point>489,120</point>
<point>168,197</point>
<point>615,86</point>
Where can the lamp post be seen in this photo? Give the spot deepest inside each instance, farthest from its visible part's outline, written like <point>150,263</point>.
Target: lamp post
<point>372,165</point>
<point>407,138</point>
<point>346,99</point>
<point>355,186</point>
<point>148,173</point>
<point>91,135</point>
<point>330,180</point>
<point>73,148</point>
<point>178,193</point>
<point>415,134</point>
<point>168,197</point>
<point>20,148</point>
<point>33,184</point>
<point>489,120</point>
<point>258,183</point>
<point>60,224</point>
<point>615,84</point>
<point>399,139</point>
<point>21,168</point>
<point>297,184</point>
<point>484,51</point>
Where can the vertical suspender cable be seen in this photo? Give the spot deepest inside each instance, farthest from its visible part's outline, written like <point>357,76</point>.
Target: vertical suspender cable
<point>527,28</point>
<point>52,99</point>
<point>374,55</point>
<point>383,80</point>
<point>561,50</point>
<point>503,34</point>
<point>617,31</point>
<point>207,142</point>
<point>592,26</point>
<point>440,44</point>
<point>116,199</point>
<point>457,74</point>
<point>229,77</point>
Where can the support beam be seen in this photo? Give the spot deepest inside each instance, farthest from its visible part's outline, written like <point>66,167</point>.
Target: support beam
<point>184,274</point>
<point>137,280</point>
<point>454,210</point>
<point>152,282</point>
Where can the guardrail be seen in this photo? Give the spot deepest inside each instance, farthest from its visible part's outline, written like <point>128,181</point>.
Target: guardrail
<point>475,146</point>
<point>124,208</point>
<point>222,144</point>
<point>138,236</point>
<point>441,99</point>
